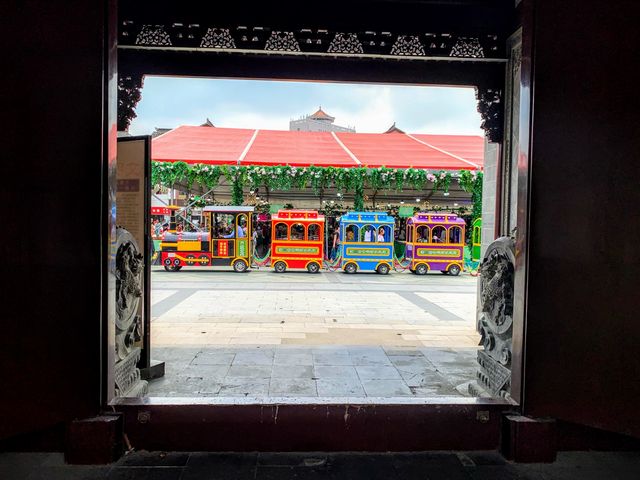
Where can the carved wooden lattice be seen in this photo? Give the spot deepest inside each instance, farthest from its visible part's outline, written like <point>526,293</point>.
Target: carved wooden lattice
<point>236,38</point>
<point>345,43</point>
<point>408,45</point>
<point>282,42</point>
<point>217,38</point>
<point>467,48</point>
<point>153,35</point>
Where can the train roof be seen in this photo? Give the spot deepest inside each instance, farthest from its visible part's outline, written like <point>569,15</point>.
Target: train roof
<point>428,217</point>
<point>228,208</point>
<point>367,217</point>
<point>302,215</point>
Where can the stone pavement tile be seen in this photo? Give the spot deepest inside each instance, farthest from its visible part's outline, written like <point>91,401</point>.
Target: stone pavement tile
<point>292,371</point>
<point>19,465</point>
<point>373,358</point>
<point>153,459</point>
<point>336,371</point>
<point>362,466</point>
<point>428,379</point>
<point>410,361</point>
<point>215,466</point>
<point>255,340</point>
<point>431,466</point>
<point>339,387</point>
<point>377,372</point>
<point>145,473</point>
<point>332,359</point>
<point>254,358</point>
<point>206,358</point>
<point>249,371</point>
<point>293,459</point>
<point>292,387</point>
<point>286,358</point>
<point>206,372</point>
<point>64,472</point>
<point>234,387</point>
<point>386,388</point>
<point>402,351</point>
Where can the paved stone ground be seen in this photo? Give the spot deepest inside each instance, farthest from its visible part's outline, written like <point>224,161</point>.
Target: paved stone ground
<point>335,466</point>
<point>299,335</point>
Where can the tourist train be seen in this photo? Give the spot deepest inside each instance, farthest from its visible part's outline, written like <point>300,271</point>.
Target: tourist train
<point>365,242</point>
<point>435,241</point>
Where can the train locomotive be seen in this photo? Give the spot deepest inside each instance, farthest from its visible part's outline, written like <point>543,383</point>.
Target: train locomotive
<point>225,240</point>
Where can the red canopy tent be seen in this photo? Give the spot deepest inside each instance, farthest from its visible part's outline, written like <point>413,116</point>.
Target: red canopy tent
<point>235,146</point>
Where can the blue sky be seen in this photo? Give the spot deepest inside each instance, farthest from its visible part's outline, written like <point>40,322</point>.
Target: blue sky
<point>168,102</point>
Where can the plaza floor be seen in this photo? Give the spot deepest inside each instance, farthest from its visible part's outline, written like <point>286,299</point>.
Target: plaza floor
<point>263,334</point>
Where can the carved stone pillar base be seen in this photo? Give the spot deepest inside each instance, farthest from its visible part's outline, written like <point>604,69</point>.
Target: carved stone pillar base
<point>127,375</point>
<point>495,320</point>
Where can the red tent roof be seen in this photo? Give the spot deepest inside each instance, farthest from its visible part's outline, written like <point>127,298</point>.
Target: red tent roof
<point>234,146</point>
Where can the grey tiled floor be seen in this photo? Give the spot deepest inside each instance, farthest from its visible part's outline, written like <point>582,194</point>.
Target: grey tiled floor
<point>347,466</point>
<point>314,371</point>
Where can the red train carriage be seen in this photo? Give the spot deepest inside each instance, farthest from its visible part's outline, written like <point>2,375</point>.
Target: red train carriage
<point>297,240</point>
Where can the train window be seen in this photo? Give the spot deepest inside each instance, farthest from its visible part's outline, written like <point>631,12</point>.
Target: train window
<point>368,233</point>
<point>282,232</point>
<point>297,231</point>
<point>223,226</point>
<point>384,234</point>
<point>351,234</point>
<point>409,233</point>
<point>242,225</point>
<point>438,234</point>
<point>313,232</point>
<point>422,234</point>
<point>455,235</point>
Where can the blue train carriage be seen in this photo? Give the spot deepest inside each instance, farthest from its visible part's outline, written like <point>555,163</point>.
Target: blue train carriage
<point>367,242</point>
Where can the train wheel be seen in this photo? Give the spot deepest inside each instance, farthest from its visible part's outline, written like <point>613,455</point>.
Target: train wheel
<point>204,260</point>
<point>383,269</point>
<point>280,267</point>
<point>350,268</point>
<point>421,269</point>
<point>313,267</point>
<point>454,270</point>
<point>191,260</point>
<point>239,266</point>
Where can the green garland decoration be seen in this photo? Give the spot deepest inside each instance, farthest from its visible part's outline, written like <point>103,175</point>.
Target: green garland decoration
<point>343,179</point>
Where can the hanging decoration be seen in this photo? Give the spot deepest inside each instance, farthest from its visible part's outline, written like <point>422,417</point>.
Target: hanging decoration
<point>285,177</point>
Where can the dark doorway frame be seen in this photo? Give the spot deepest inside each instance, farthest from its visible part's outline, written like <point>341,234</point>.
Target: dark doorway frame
<point>428,424</point>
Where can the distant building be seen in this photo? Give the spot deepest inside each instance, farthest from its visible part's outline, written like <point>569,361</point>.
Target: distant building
<point>159,131</point>
<point>317,122</point>
<point>394,129</point>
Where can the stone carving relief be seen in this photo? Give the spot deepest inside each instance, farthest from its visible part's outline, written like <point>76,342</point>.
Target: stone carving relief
<point>129,268</point>
<point>495,320</point>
